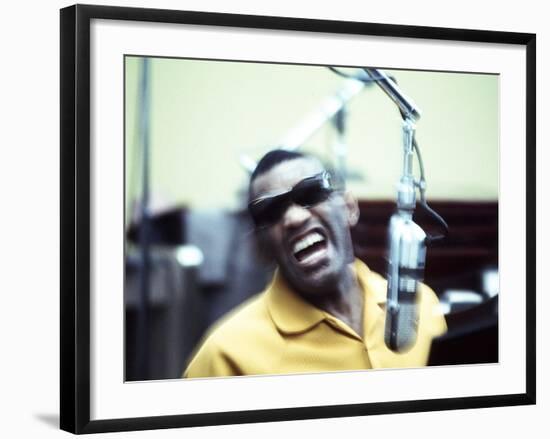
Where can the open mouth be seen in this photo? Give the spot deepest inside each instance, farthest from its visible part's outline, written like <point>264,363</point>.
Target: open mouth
<point>310,248</point>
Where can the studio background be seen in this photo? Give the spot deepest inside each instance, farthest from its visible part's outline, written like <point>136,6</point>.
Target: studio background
<point>30,169</point>
<point>204,115</point>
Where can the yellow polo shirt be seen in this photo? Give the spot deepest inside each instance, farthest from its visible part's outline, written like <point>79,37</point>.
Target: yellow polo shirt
<point>277,332</point>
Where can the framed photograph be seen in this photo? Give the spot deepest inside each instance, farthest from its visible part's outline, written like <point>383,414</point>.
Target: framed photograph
<point>275,218</point>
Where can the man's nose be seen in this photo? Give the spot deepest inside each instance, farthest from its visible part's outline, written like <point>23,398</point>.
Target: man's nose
<point>296,215</point>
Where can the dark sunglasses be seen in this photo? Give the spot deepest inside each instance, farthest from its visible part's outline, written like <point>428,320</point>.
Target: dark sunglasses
<point>267,210</point>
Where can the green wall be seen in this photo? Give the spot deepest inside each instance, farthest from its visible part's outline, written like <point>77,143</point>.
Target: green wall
<point>205,114</point>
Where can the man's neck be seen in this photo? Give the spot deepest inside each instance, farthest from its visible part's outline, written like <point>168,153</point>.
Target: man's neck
<point>346,302</point>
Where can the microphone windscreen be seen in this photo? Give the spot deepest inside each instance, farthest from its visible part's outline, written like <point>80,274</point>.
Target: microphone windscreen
<point>401,327</point>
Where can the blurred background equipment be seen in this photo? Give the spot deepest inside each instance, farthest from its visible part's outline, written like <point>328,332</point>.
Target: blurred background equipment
<point>191,127</point>
<point>331,108</point>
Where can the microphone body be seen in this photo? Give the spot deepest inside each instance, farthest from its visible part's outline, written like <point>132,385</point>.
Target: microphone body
<point>407,257</point>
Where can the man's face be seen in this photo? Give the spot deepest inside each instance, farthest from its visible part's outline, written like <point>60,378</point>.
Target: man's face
<point>312,245</point>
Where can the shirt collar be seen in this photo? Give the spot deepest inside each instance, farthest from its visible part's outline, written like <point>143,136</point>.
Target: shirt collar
<point>292,314</point>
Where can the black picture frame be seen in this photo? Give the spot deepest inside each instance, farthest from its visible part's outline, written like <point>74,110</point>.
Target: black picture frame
<point>75,217</point>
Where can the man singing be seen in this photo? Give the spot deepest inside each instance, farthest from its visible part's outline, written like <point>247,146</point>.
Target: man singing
<point>324,310</point>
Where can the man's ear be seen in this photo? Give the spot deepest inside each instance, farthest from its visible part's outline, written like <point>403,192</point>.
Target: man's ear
<point>352,208</point>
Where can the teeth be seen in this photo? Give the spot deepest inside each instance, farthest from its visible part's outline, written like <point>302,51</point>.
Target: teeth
<point>307,241</point>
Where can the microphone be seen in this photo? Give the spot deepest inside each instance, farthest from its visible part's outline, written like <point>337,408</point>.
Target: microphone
<point>407,258</point>
<point>406,239</point>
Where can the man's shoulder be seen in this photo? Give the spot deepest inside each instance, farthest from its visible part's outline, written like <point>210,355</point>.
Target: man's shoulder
<point>378,285</point>
<point>430,313</point>
<point>242,321</point>
<point>238,343</point>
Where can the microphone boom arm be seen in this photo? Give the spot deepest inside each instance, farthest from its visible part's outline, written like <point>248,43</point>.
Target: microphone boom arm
<point>406,106</point>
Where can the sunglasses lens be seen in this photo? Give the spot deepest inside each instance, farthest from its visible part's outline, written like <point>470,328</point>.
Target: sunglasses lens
<point>269,210</point>
<point>310,192</point>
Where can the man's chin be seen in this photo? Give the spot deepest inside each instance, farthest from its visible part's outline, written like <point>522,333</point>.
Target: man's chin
<point>315,281</point>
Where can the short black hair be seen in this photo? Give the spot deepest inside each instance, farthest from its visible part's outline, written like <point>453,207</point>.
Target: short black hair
<point>270,160</point>
<point>273,158</point>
